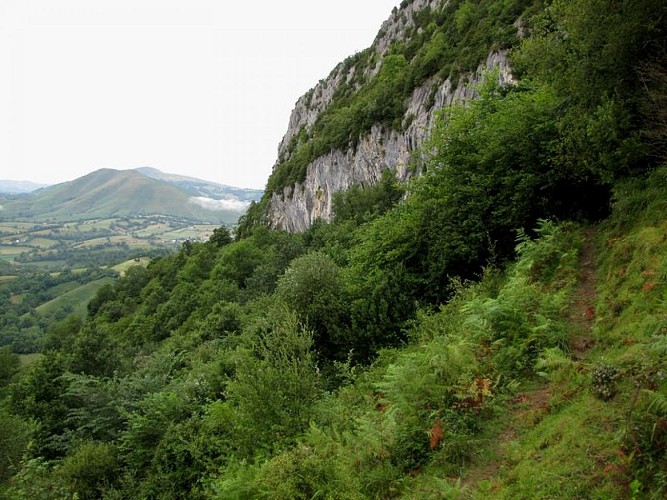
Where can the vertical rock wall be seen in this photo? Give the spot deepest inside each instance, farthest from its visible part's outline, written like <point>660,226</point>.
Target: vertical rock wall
<point>298,206</point>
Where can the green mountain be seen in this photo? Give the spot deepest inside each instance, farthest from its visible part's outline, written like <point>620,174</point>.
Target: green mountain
<point>108,193</point>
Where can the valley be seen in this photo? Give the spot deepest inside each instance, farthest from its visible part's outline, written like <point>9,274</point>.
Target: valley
<point>50,270</point>
<point>55,246</point>
<point>60,245</point>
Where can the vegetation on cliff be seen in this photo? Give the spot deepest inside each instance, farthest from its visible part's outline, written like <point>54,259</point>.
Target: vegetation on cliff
<point>446,42</point>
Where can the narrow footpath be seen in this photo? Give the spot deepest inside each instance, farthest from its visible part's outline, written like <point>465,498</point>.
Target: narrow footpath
<point>529,407</point>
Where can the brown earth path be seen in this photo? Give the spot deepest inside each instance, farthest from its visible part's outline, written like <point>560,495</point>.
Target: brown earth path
<point>582,310</point>
<point>531,406</point>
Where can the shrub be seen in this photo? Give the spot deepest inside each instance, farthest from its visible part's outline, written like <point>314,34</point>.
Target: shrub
<point>90,470</point>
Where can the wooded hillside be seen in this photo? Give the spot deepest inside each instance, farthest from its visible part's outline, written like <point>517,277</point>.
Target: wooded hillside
<point>494,329</point>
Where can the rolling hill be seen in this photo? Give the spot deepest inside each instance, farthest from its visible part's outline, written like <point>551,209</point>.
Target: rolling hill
<point>117,193</point>
<point>199,187</point>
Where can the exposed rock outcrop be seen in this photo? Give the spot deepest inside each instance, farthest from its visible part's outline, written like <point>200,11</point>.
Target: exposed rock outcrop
<point>298,206</point>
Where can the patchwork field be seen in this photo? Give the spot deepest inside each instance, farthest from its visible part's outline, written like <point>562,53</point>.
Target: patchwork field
<point>100,242</point>
<point>50,270</point>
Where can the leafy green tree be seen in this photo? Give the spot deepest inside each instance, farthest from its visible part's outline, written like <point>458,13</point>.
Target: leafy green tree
<point>171,314</point>
<point>314,288</point>
<point>182,457</point>
<point>103,295</point>
<point>95,351</point>
<point>14,437</point>
<point>199,263</point>
<point>362,204</point>
<point>237,262</point>
<point>334,239</point>
<point>38,396</point>
<point>148,424</point>
<point>90,470</point>
<point>591,51</point>
<point>9,365</point>
<point>224,319</point>
<point>133,281</point>
<point>95,407</point>
<point>221,237</point>
<point>36,479</point>
<point>275,387</point>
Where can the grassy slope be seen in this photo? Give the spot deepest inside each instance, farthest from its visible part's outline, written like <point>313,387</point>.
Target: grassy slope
<point>571,342</point>
<point>76,298</point>
<point>124,266</point>
<point>599,437</point>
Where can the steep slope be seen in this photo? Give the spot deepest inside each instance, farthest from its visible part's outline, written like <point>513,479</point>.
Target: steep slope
<point>375,108</point>
<point>116,193</point>
<point>355,360</point>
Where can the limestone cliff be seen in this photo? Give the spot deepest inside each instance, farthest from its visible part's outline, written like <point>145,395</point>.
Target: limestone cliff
<point>296,206</point>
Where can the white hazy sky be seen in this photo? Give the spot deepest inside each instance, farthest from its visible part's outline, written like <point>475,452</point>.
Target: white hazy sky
<point>196,87</point>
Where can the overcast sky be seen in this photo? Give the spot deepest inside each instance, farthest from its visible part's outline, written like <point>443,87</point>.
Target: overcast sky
<point>195,87</point>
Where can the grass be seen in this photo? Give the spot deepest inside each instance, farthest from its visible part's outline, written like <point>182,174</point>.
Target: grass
<point>95,224</point>
<point>136,232</point>
<point>41,232</point>
<point>77,299</point>
<point>16,298</point>
<point>571,453</point>
<point>63,288</point>
<point>17,226</point>
<point>29,359</point>
<point>602,437</point>
<point>181,234</point>
<point>48,265</point>
<point>10,240</point>
<point>13,250</point>
<point>124,266</point>
<point>78,270</point>
<point>44,242</point>
<point>153,230</point>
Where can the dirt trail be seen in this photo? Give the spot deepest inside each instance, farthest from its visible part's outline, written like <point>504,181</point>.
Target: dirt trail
<point>531,406</point>
<point>582,309</point>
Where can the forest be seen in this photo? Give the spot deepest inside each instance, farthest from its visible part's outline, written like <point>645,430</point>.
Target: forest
<point>494,328</point>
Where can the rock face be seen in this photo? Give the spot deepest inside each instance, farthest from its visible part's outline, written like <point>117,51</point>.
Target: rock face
<point>298,206</point>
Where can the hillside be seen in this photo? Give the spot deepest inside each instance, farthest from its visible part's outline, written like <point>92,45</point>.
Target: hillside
<point>201,188</point>
<point>108,193</point>
<point>493,327</point>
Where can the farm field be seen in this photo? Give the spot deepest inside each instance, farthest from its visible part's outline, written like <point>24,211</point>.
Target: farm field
<point>104,242</point>
<point>49,271</point>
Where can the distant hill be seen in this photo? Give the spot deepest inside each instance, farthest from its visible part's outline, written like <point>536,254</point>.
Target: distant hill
<point>116,193</point>
<point>18,187</point>
<point>199,187</point>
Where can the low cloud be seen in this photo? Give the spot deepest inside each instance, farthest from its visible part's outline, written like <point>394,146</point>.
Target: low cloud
<point>219,205</point>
